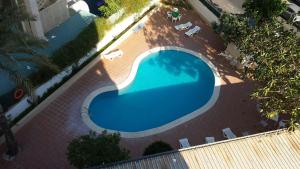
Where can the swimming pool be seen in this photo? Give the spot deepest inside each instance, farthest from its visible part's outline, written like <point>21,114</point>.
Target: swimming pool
<point>166,87</point>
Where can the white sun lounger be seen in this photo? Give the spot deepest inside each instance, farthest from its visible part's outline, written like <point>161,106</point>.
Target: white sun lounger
<point>184,143</point>
<point>192,31</point>
<point>183,26</point>
<point>113,54</point>
<point>209,139</point>
<point>169,14</point>
<point>227,133</point>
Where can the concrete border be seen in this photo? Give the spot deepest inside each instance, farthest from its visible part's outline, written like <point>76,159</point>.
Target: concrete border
<point>85,113</point>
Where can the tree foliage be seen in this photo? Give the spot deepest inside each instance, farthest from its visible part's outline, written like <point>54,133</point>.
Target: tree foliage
<point>264,10</point>
<point>231,26</point>
<point>276,53</point>
<point>157,147</point>
<point>92,150</point>
<point>130,6</point>
<point>110,7</point>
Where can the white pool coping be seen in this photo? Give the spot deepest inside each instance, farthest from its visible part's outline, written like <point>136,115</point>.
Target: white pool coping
<point>94,127</point>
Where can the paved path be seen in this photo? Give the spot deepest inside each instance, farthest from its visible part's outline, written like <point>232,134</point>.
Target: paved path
<point>230,6</point>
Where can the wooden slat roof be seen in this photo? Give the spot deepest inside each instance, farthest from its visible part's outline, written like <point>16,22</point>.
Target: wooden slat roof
<point>273,150</point>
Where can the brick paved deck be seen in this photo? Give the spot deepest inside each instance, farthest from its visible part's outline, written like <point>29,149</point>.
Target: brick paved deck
<point>45,138</point>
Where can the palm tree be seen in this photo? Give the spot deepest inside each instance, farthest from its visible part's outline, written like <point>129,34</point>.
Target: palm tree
<point>14,42</point>
<point>11,143</point>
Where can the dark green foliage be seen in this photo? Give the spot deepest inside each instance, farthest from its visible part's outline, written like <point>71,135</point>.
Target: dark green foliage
<point>276,53</point>
<point>110,7</point>
<point>74,50</point>
<point>177,3</point>
<point>231,26</point>
<point>41,76</point>
<point>157,147</point>
<point>94,150</point>
<point>264,10</point>
<point>130,6</point>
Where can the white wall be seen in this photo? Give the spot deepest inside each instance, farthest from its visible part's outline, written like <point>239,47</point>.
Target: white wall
<point>35,27</point>
<point>54,15</point>
<point>203,11</point>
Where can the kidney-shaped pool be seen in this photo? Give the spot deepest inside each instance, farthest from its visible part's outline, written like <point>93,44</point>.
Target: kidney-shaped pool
<point>166,87</point>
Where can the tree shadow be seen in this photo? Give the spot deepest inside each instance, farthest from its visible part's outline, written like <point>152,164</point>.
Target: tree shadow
<point>160,31</point>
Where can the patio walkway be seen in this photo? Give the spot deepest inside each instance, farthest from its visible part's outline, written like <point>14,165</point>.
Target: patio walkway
<point>45,138</point>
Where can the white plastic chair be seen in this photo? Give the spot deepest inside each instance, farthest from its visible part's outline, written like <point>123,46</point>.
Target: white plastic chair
<point>193,31</point>
<point>169,14</point>
<point>227,133</point>
<point>183,26</point>
<point>209,140</point>
<point>184,143</point>
<point>174,19</point>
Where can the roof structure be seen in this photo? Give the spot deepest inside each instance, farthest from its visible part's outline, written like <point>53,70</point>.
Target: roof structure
<point>276,149</point>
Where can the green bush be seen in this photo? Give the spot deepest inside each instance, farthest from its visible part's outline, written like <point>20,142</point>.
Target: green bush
<point>232,26</point>
<point>266,10</point>
<point>93,150</point>
<point>74,50</point>
<point>275,61</point>
<point>110,7</point>
<point>177,3</point>
<point>157,147</point>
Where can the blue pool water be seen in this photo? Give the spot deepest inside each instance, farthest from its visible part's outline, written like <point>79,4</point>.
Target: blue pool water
<point>168,85</point>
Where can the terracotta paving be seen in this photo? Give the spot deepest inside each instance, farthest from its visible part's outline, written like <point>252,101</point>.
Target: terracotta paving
<point>45,138</point>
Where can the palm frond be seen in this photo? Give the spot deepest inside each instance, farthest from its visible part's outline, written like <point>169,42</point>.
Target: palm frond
<point>17,46</point>
<point>18,79</point>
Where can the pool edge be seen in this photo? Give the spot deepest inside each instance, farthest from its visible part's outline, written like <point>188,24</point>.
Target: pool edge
<point>94,127</point>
